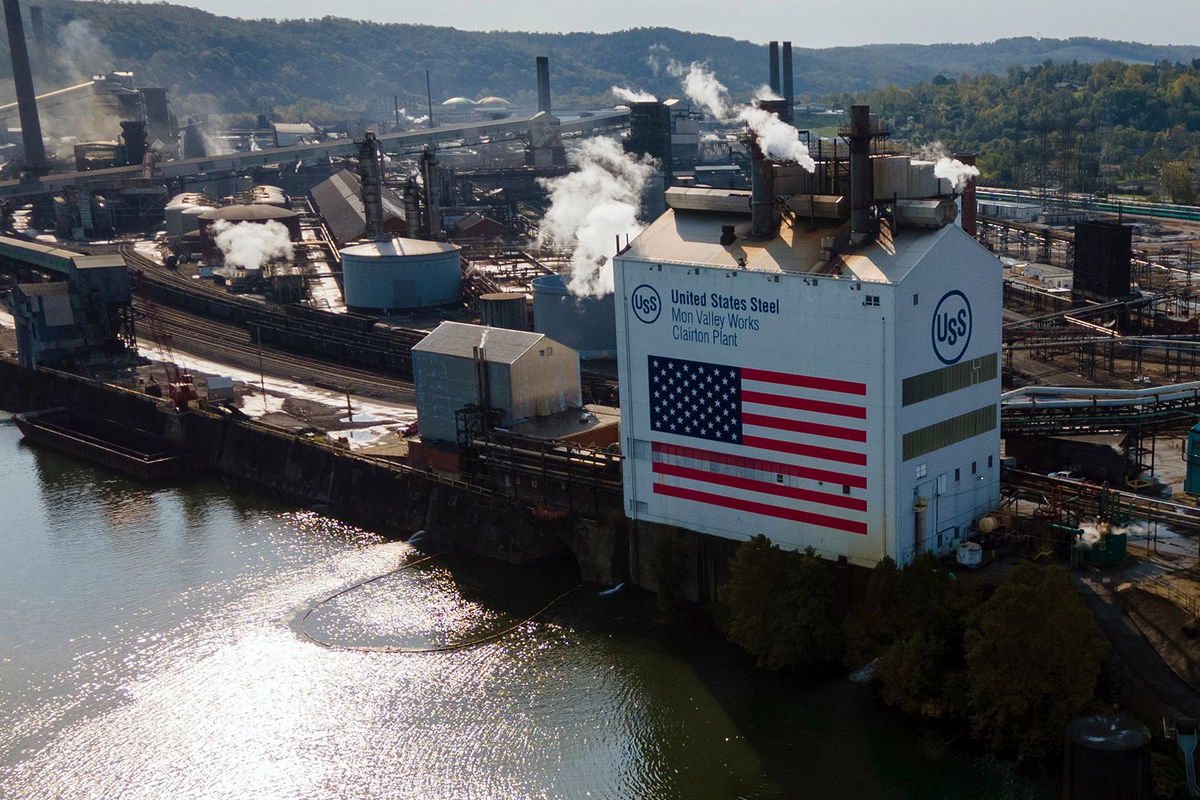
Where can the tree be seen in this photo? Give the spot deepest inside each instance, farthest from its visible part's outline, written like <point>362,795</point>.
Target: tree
<point>1176,180</point>
<point>1033,656</point>
<point>778,606</point>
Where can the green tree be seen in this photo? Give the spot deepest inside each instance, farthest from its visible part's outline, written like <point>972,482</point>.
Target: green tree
<point>778,606</point>
<point>1033,656</point>
<point>1177,181</point>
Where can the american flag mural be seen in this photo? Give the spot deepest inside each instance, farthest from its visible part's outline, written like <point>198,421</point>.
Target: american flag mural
<point>773,444</point>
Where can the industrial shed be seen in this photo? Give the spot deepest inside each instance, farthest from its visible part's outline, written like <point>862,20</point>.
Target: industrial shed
<point>517,374</point>
<point>338,199</point>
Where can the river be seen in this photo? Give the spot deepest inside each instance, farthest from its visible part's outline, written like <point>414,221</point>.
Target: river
<point>164,643</point>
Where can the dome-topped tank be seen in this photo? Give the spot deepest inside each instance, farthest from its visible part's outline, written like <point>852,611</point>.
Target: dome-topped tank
<point>401,274</point>
<point>587,324</point>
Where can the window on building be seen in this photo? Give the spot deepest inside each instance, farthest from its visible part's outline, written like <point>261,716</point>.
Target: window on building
<point>845,490</point>
<point>922,470</point>
<point>947,432</point>
<point>778,477</point>
<point>915,299</point>
<point>957,473</point>
<point>989,462</point>
<point>973,469</point>
<point>944,380</point>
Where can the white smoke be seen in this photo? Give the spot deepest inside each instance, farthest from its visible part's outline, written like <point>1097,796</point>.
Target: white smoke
<point>702,88</point>
<point>633,95</point>
<point>80,52</point>
<point>776,138</point>
<point>250,245</point>
<point>1090,537</point>
<point>658,58</point>
<point>765,92</point>
<point>407,118</point>
<point>593,205</point>
<point>955,171</point>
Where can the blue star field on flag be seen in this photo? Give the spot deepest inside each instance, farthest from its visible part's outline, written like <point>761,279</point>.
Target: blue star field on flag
<point>692,398</point>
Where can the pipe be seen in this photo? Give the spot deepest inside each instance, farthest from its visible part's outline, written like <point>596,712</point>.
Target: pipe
<point>789,83</point>
<point>970,205</point>
<point>763,220</point>
<point>543,83</point>
<point>860,174</point>
<point>370,173</point>
<point>31,126</point>
<point>773,51</point>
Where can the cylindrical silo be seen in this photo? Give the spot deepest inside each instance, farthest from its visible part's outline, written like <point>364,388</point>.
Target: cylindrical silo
<point>587,324</point>
<point>1107,758</point>
<point>401,274</point>
<point>504,310</point>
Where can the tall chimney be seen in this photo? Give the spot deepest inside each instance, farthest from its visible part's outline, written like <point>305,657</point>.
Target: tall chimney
<point>41,62</point>
<point>970,206</point>
<point>773,51</point>
<point>370,174</point>
<point>763,220</point>
<point>543,83</point>
<point>860,174</point>
<point>31,127</point>
<point>789,85</point>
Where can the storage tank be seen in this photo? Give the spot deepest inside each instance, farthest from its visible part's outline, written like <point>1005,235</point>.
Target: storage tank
<point>1107,758</point>
<point>401,273</point>
<point>587,324</point>
<point>504,310</point>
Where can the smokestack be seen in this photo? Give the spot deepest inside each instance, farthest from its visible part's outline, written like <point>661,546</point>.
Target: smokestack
<point>41,62</point>
<point>970,207</point>
<point>31,127</point>
<point>860,174</point>
<point>370,173</point>
<point>543,83</point>
<point>789,85</point>
<point>774,55</point>
<point>763,220</point>
<point>432,219</point>
<point>133,133</point>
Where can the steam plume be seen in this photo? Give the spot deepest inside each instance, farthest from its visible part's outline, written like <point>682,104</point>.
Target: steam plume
<point>633,95</point>
<point>776,138</point>
<point>591,206</point>
<point>80,52</point>
<point>955,171</point>
<point>765,92</point>
<point>411,120</point>
<point>702,87</point>
<point>250,245</point>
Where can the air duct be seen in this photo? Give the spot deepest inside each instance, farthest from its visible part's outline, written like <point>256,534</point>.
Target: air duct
<point>789,83</point>
<point>370,174</point>
<point>543,83</point>
<point>773,51</point>
<point>860,174</point>
<point>31,127</point>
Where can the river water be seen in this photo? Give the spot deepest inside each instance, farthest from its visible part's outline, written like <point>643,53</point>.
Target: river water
<point>166,642</point>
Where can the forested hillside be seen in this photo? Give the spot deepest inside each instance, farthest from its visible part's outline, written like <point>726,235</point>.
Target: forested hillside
<point>1080,126</point>
<point>336,67</point>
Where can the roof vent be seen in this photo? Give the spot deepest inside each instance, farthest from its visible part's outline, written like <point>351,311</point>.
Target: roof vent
<point>728,237</point>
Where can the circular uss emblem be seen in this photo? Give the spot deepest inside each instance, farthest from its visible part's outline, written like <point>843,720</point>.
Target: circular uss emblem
<point>646,303</point>
<point>951,327</point>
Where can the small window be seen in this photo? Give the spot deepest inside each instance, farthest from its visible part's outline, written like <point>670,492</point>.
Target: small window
<point>778,477</point>
<point>922,470</point>
<point>989,462</point>
<point>916,299</point>
<point>957,473</point>
<point>845,489</point>
<point>973,468</point>
<point>939,541</point>
<point>541,352</point>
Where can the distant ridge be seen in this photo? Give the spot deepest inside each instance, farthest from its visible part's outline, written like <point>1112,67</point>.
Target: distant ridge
<point>332,65</point>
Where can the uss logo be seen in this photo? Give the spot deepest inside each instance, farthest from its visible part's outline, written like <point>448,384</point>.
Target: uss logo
<point>951,327</point>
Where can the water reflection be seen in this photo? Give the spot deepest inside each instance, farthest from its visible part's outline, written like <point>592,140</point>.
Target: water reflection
<point>149,648</point>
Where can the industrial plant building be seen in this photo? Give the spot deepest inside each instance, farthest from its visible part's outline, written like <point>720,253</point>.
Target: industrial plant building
<point>505,374</point>
<point>832,384</point>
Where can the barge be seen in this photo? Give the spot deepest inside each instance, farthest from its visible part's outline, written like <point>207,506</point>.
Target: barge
<point>138,454</point>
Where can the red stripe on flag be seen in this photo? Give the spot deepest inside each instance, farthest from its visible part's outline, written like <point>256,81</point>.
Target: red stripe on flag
<point>798,426</point>
<point>803,404</point>
<point>752,485</point>
<point>812,451</point>
<point>762,465</point>
<point>804,381</point>
<point>763,509</point>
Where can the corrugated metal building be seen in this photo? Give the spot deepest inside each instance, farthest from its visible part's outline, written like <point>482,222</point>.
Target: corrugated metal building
<point>829,395</point>
<point>339,202</point>
<point>518,374</point>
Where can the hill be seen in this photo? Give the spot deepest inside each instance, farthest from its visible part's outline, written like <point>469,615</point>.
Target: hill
<point>333,67</point>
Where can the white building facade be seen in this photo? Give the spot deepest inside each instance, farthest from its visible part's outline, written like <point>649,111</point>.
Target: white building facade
<point>845,402</point>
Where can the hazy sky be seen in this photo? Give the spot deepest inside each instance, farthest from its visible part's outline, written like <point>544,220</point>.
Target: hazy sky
<point>820,24</point>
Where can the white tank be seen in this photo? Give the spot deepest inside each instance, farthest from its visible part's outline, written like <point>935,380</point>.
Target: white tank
<point>970,554</point>
<point>401,274</point>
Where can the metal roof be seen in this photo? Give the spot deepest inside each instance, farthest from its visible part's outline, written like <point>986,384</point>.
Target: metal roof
<point>400,247</point>
<point>499,345</point>
<point>249,212</point>
<point>693,237</point>
<point>339,202</point>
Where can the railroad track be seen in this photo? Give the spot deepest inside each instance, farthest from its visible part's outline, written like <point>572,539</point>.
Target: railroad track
<point>218,340</point>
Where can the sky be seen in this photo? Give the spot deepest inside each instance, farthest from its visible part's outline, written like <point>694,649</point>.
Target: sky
<point>823,24</point>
